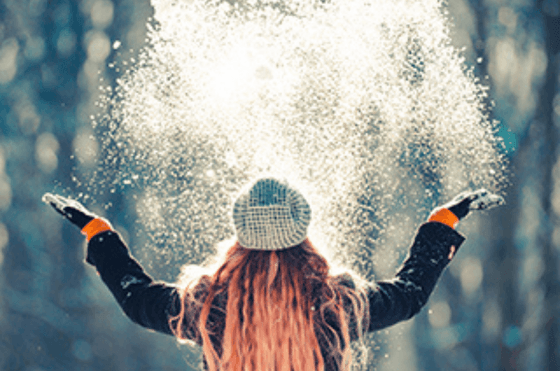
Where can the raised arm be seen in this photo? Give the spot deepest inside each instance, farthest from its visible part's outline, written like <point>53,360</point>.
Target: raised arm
<point>398,299</point>
<point>144,301</point>
<point>434,246</point>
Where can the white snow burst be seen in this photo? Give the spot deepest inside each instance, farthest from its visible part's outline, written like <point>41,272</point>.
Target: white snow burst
<point>364,106</point>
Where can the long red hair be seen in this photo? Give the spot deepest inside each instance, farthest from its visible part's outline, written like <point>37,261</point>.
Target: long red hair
<point>270,318</point>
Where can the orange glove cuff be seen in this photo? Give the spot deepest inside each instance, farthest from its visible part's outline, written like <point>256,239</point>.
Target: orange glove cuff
<point>95,227</point>
<point>444,216</point>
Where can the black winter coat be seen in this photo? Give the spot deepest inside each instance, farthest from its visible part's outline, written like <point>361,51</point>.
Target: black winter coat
<point>149,303</point>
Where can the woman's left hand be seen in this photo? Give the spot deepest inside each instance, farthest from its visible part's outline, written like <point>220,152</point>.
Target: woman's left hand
<point>70,209</point>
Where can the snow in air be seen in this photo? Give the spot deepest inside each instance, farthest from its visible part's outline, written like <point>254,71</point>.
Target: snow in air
<point>365,106</point>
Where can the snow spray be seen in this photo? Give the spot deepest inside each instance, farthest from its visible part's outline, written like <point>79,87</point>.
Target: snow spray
<point>365,106</point>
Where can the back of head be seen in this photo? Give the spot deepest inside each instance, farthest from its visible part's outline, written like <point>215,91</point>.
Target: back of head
<point>278,291</point>
<point>270,214</point>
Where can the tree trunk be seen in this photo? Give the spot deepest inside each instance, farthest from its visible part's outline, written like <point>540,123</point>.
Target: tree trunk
<point>545,121</point>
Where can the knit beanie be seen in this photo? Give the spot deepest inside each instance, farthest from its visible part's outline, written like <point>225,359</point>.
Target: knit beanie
<point>269,214</point>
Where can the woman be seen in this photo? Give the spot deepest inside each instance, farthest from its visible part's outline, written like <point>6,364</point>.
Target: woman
<point>272,305</point>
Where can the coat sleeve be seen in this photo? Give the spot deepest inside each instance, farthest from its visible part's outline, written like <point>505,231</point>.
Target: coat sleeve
<point>398,299</point>
<point>144,301</point>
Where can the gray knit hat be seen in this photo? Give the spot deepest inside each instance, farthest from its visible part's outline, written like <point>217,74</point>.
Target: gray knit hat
<point>269,214</point>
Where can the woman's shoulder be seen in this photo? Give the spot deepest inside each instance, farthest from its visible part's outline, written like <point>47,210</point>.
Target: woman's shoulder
<point>352,280</point>
<point>345,279</point>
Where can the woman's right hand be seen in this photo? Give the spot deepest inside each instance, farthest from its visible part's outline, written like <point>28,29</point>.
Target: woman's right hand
<point>477,200</point>
<point>458,208</point>
<point>462,204</point>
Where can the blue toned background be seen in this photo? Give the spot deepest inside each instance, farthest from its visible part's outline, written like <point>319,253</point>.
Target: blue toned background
<point>496,307</point>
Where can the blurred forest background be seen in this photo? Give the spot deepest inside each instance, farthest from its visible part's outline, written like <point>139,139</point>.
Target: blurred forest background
<point>496,307</point>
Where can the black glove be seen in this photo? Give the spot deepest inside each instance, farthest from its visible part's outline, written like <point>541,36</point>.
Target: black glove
<point>79,216</point>
<point>477,200</point>
<point>70,209</point>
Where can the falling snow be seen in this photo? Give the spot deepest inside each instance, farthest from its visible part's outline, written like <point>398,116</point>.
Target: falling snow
<point>362,105</point>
